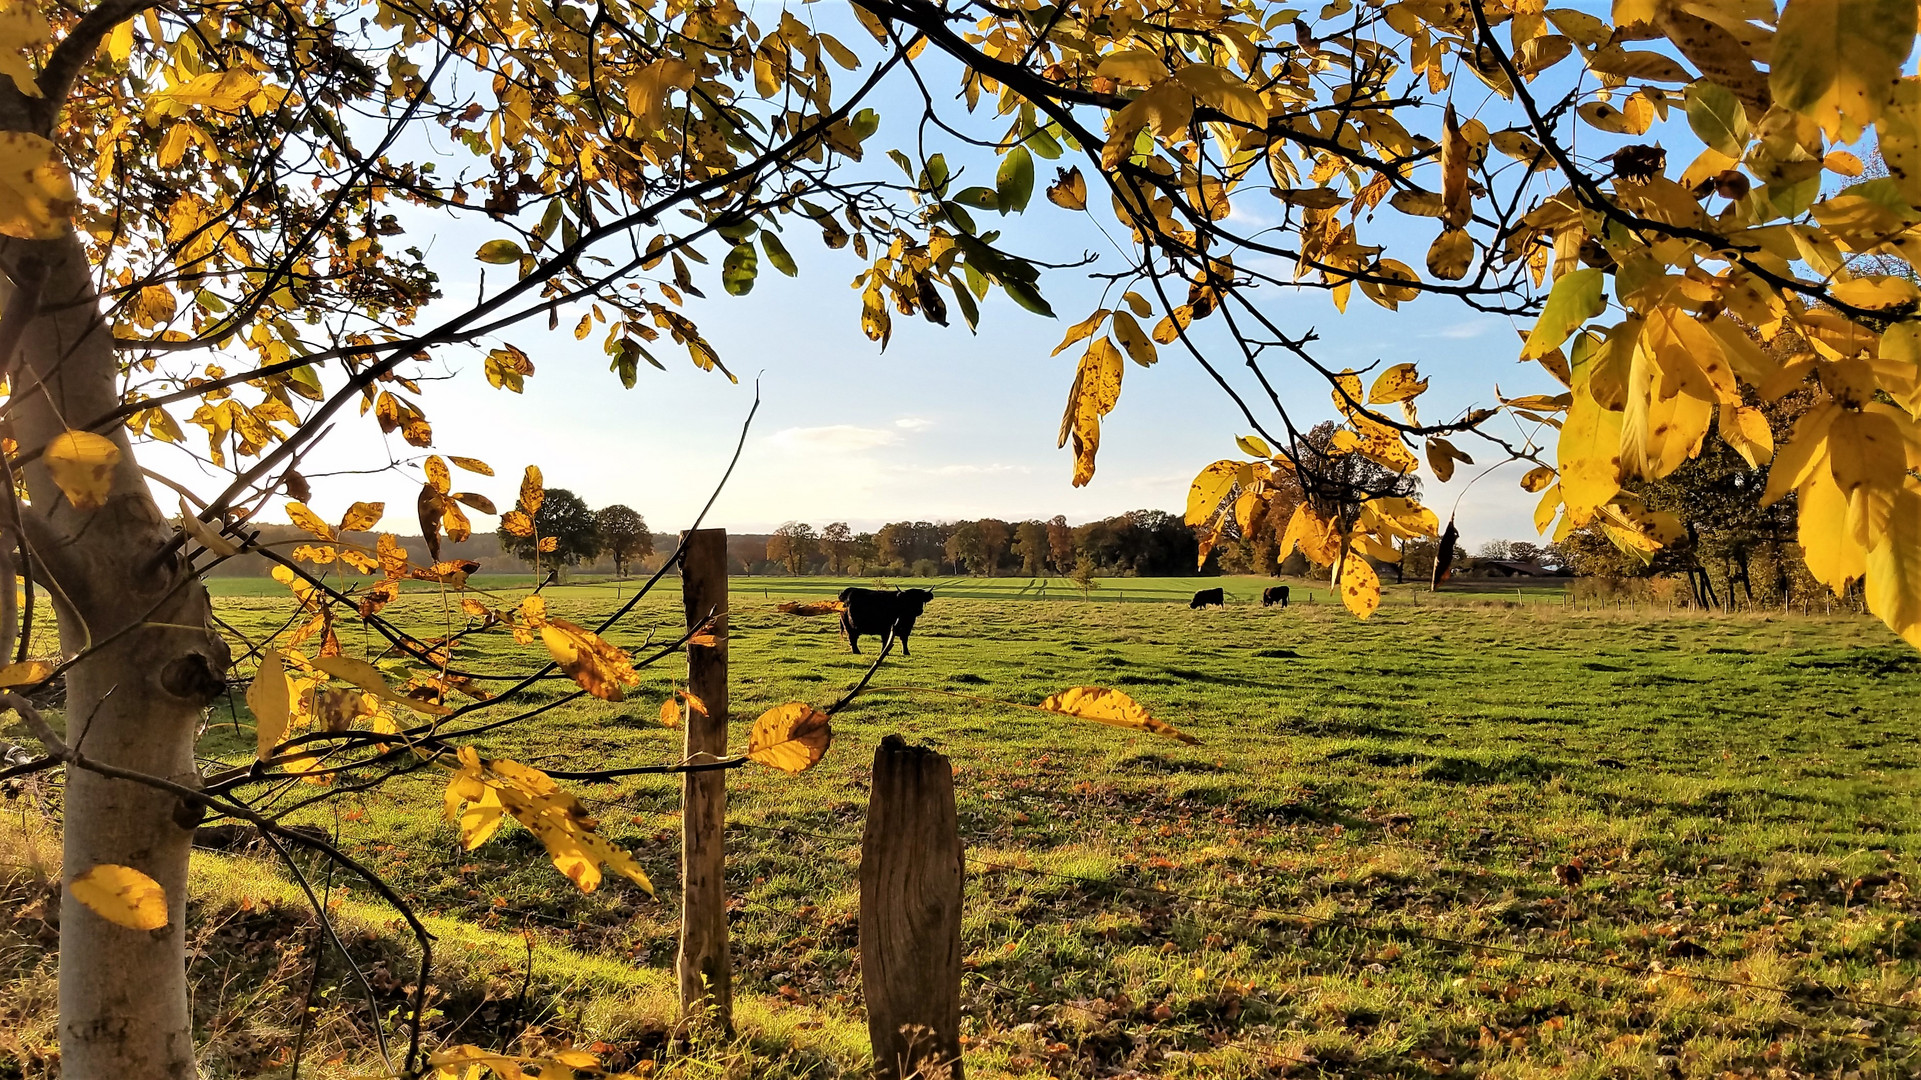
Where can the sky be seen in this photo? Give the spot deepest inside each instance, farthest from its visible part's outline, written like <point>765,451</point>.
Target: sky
<point>942,425</point>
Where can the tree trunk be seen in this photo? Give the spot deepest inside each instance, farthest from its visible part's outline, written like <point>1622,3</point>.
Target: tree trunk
<point>134,702</point>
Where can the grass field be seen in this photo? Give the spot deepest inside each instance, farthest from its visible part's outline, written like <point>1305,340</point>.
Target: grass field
<point>1474,835</point>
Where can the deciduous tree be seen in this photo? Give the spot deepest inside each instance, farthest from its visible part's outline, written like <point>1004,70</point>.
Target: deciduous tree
<point>794,545</point>
<point>837,541</point>
<point>623,535</point>
<point>564,532</point>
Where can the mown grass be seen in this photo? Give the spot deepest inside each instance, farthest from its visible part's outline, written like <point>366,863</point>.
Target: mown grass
<point>1731,797</point>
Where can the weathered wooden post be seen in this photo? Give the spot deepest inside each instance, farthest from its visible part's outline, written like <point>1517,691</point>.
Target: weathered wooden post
<point>910,915</point>
<point>706,973</point>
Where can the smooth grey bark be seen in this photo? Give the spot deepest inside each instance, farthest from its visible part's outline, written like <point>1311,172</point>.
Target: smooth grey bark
<point>135,701</point>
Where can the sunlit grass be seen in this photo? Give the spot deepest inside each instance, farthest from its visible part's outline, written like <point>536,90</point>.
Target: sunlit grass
<point>1736,795</point>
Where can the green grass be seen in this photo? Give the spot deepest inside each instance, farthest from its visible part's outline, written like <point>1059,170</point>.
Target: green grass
<point>1737,796</point>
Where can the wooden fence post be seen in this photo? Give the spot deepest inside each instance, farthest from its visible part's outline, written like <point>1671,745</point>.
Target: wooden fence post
<point>910,915</point>
<point>706,972</point>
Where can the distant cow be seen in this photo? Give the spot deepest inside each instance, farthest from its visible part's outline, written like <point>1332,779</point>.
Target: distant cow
<point>1216,597</point>
<point>876,611</point>
<point>1274,594</point>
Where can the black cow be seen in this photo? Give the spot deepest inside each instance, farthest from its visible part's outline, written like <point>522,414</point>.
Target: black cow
<point>1274,594</point>
<point>1208,596</point>
<point>876,611</point>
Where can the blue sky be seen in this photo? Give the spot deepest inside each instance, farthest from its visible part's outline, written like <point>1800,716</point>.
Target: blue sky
<point>944,425</point>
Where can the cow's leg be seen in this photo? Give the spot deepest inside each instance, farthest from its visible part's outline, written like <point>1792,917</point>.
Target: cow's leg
<point>903,644</point>
<point>853,640</point>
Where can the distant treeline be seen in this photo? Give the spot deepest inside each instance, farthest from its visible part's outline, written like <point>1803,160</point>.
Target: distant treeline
<point>1140,542</point>
<point>482,547</point>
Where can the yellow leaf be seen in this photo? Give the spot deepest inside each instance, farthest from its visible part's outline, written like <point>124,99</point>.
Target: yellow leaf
<point>1082,330</point>
<point>271,701</point>
<point>438,477</point>
<point>1634,119</point>
<point>1894,566</point>
<point>1837,61</point>
<point>532,494</point>
<point>1457,202</point>
<point>120,42</point>
<point>1069,190</point>
<point>1658,433</point>
<point>1828,544</point>
<point>300,515</point>
<point>362,516</point>
<point>472,465</point>
<point>548,544</point>
<point>1588,452</point>
<point>598,667</point>
<point>481,818</point>
<point>533,610</point>
<point>1441,456</point>
<point>36,194</point>
<point>204,534</point>
<point>517,523</point>
<point>791,737</point>
<point>1397,516</point>
<point>670,712</point>
<point>24,674</point>
<point>1360,586</point>
<point>1133,339</point>
<point>82,464</point>
<point>1745,429</point>
<point>21,28</point>
<point>367,677</point>
<point>1843,163</point>
<point>1398,383</point>
<point>1537,478</point>
<point>1139,67</point>
<point>1451,253</point>
<point>1097,386</point>
<point>1114,708</point>
<point>122,896</point>
<point>1204,495</point>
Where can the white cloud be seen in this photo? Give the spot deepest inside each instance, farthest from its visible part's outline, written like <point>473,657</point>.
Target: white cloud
<point>972,470</point>
<point>833,439</point>
<point>913,423</point>
<point>1463,331</point>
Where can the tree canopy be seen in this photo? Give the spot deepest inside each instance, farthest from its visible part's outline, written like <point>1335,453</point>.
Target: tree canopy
<point>564,531</point>
<point>623,535</point>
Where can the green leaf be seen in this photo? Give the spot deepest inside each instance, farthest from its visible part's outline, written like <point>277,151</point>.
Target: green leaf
<point>1717,117</point>
<point>738,271</point>
<point>1044,144</point>
<point>1015,182</point>
<point>626,363</point>
<point>1027,296</point>
<point>499,252</point>
<point>979,198</point>
<point>777,254</point>
<point>1837,61</point>
<point>969,310</point>
<point>1576,298</point>
<point>962,219</point>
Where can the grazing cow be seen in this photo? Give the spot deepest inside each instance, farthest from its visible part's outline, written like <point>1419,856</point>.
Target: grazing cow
<point>1216,597</point>
<point>876,611</point>
<point>1274,594</point>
